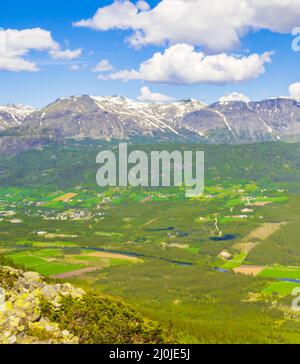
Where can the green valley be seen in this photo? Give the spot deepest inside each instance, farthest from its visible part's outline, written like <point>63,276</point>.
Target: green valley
<point>229,256</point>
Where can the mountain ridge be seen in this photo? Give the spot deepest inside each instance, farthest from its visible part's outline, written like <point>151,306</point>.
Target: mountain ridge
<point>116,117</point>
<point>13,115</point>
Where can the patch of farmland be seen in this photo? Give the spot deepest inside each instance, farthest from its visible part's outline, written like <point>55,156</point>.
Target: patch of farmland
<point>66,197</point>
<point>74,273</point>
<point>264,231</point>
<point>43,265</point>
<point>261,233</point>
<point>107,234</point>
<point>280,288</point>
<point>245,247</point>
<point>106,255</point>
<point>249,270</point>
<point>51,268</point>
<point>281,272</point>
<point>235,262</point>
<point>28,261</point>
<point>179,246</point>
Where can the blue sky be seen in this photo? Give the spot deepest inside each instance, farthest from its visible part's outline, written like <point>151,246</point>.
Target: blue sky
<point>55,79</point>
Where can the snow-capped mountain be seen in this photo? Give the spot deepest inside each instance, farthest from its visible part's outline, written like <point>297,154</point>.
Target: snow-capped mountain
<point>110,117</point>
<point>121,118</point>
<point>240,122</point>
<point>13,115</point>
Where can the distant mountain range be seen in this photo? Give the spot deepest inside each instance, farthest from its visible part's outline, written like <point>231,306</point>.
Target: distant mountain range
<point>80,117</point>
<point>13,115</point>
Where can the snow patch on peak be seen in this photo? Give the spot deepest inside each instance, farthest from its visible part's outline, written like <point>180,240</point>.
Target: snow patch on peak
<point>17,109</point>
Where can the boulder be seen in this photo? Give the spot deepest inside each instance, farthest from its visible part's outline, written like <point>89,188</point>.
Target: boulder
<point>20,314</point>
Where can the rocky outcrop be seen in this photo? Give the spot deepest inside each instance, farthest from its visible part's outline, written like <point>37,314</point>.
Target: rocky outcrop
<point>15,145</point>
<point>33,311</point>
<point>22,295</point>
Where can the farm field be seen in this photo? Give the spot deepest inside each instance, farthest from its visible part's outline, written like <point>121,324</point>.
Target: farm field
<point>281,289</point>
<point>57,262</point>
<point>235,262</point>
<point>250,270</point>
<point>43,263</point>
<point>278,271</point>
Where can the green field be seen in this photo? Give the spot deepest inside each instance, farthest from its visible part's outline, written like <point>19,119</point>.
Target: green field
<point>50,262</point>
<point>40,264</point>
<point>278,271</point>
<point>235,262</point>
<point>280,288</point>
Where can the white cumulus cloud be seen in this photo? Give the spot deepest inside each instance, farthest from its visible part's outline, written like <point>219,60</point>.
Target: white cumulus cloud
<point>234,96</point>
<point>142,5</point>
<point>182,64</point>
<point>78,67</point>
<point>65,54</point>
<point>17,65</point>
<point>74,67</point>
<point>148,96</point>
<point>214,24</point>
<point>103,66</point>
<point>294,90</point>
<point>15,45</point>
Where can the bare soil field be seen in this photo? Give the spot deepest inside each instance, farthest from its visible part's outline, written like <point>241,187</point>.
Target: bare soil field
<point>106,255</point>
<point>66,197</point>
<point>179,246</point>
<point>261,233</point>
<point>249,270</point>
<point>245,247</point>
<point>74,273</point>
<point>264,231</point>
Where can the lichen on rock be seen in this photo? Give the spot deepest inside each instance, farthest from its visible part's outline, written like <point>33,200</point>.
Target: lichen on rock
<point>21,320</point>
<point>33,311</point>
